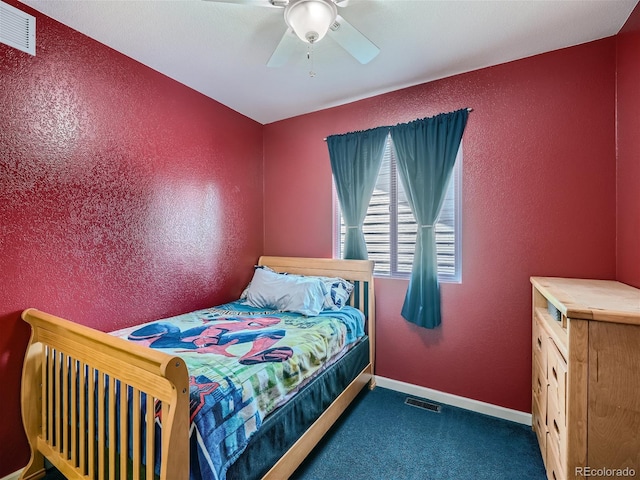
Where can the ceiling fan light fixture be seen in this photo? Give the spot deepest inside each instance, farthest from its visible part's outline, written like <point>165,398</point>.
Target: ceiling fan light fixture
<point>310,19</point>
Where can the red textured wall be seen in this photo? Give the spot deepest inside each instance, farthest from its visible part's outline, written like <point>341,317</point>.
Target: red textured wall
<point>538,199</point>
<point>123,197</point>
<point>628,126</point>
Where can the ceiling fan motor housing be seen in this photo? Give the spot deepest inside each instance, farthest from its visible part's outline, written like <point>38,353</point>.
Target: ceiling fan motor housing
<point>310,19</point>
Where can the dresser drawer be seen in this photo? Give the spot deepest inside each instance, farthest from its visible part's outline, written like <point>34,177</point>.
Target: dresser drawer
<point>557,439</point>
<point>539,424</point>
<point>555,470</point>
<point>557,378</point>
<point>539,390</point>
<point>539,345</point>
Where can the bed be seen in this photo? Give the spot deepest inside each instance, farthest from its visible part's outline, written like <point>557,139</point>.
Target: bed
<point>107,405</point>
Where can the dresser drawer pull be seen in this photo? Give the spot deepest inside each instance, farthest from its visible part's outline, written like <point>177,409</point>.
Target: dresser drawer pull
<point>539,343</point>
<point>555,374</point>
<point>555,425</point>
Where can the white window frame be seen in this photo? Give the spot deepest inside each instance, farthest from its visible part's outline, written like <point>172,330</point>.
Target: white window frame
<point>446,275</point>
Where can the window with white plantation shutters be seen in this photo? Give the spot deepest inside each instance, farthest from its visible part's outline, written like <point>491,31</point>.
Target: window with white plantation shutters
<point>390,227</point>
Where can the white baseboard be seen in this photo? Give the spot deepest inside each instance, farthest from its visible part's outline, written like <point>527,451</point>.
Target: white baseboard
<point>13,476</point>
<point>455,400</point>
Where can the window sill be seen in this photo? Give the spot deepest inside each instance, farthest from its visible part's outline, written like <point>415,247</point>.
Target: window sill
<point>408,277</point>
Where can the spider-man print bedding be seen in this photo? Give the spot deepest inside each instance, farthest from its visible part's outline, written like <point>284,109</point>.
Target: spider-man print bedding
<point>243,363</point>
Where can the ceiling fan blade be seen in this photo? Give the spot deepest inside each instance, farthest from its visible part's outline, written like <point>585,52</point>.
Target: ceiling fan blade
<point>255,3</point>
<point>354,42</point>
<point>284,50</point>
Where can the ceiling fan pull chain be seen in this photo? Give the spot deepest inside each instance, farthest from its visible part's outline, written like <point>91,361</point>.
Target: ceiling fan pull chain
<point>312,73</point>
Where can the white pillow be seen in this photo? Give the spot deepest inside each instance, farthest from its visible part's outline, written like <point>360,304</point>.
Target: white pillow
<point>287,293</point>
<point>243,295</point>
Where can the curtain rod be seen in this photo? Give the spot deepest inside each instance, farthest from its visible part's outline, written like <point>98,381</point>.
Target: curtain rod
<point>469,109</point>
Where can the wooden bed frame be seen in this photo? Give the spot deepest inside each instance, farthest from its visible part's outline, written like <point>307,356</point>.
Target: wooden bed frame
<point>64,360</point>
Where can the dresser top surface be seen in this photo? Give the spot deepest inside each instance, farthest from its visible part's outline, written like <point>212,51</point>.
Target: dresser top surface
<point>603,300</point>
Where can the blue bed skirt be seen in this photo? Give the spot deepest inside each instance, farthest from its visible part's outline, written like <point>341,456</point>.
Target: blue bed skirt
<point>283,427</point>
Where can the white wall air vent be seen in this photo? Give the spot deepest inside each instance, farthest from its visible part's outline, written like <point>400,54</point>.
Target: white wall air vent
<point>17,29</point>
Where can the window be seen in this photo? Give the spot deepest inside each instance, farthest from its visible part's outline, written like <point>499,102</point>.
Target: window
<point>390,228</point>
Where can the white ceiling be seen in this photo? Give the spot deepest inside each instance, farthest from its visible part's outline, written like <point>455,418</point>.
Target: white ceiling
<point>221,49</point>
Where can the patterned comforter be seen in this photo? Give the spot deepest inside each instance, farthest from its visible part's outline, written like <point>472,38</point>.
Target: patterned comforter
<point>243,363</point>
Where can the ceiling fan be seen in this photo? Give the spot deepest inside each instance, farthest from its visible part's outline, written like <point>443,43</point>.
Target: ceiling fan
<point>310,21</point>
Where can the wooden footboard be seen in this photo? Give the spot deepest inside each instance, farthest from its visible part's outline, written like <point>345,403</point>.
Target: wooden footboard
<point>91,401</point>
<point>84,391</point>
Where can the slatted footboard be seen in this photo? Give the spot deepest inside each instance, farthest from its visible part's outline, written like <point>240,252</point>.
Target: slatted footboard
<point>84,391</point>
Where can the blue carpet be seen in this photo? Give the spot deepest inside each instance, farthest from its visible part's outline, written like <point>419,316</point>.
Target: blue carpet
<point>382,438</point>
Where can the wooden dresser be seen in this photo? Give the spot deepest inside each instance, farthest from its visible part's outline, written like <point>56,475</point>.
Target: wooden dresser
<point>586,377</point>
